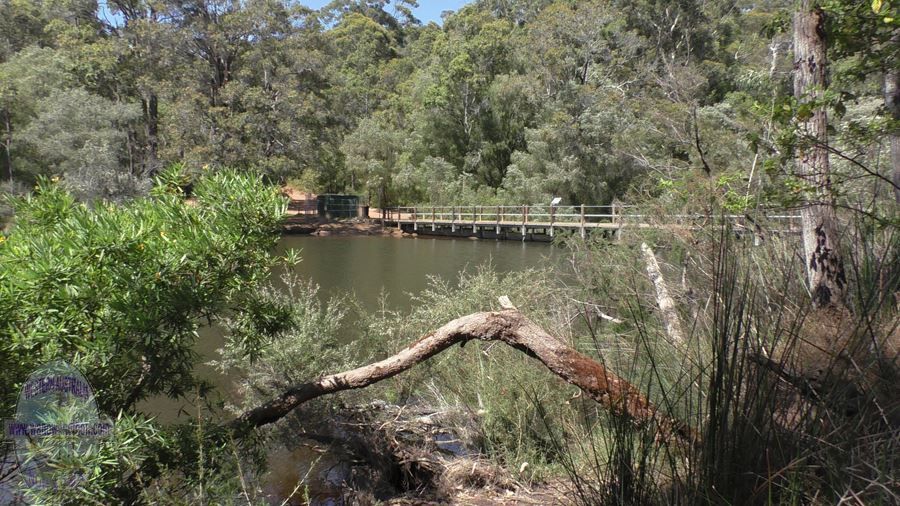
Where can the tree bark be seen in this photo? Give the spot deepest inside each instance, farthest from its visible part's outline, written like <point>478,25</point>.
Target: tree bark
<point>671,320</point>
<point>508,326</point>
<point>151,116</point>
<point>824,265</point>
<point>892,103</point>
<point>7,143</point>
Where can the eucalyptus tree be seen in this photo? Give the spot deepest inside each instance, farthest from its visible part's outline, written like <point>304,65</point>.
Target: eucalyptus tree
<point>865,38</point>
<point>27,79</point>
<point>374,153</point>
<point>824,265</point>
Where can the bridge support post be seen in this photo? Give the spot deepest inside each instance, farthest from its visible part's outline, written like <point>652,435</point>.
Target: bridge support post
<point>432,219</point>
<point>453,219</point>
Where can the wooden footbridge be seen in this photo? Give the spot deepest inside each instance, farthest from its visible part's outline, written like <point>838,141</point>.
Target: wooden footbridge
<point>543,222</point>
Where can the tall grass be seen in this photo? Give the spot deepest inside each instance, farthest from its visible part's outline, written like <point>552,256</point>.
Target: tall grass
<point>793,405</point>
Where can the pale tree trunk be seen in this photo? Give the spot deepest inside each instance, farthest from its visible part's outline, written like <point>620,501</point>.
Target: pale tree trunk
<point>824,265</point>
<point>667,309</point>
<point>151,117</point>
<point>508,326</point>
<point>892,103</point>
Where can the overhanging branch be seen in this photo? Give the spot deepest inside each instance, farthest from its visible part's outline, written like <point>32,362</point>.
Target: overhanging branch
<point>508,326</point>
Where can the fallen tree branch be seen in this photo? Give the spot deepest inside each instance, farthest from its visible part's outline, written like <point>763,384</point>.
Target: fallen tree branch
<point>508,326</point>
<point>670,317</point>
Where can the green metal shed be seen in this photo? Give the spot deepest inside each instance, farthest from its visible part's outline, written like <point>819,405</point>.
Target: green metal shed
<point>331,205</point>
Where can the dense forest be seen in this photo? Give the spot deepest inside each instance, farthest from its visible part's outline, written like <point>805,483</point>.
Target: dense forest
<point>708,353</point>
<point>507,101</point>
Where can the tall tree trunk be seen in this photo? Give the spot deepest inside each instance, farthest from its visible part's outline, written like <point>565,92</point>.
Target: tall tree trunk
<point>824,265</point>
<point>892,102</point>
<point>151,117</point>
<point>7,143</point>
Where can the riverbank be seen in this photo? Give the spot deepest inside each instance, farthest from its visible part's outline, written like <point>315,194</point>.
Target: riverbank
<point>300,224</point>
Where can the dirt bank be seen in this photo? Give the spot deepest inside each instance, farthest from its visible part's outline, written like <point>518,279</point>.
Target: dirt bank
<point>314,225</point>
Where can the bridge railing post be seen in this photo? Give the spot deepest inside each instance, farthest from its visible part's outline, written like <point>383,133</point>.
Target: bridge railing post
<point>617,218</point>
<point>524,221</point>
<point>582,221</point>
<point>552,218</point>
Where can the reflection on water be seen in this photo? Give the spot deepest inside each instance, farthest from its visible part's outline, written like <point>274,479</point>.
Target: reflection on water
<point>306,475</point>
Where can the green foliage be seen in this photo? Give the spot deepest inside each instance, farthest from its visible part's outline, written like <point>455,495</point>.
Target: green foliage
<point>507,102</point>
<point>119,289</point>
<point>287,336</point>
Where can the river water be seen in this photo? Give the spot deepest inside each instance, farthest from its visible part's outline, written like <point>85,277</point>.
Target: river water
<point>374,269</point>
<point>369,267</point>
<point>399,267</point>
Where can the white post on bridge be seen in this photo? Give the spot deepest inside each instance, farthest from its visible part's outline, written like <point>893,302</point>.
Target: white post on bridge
<point>582,221</point>
<point>553,203</point>
<point>524,221</point>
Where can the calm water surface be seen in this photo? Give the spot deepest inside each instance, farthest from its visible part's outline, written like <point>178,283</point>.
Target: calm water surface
<point>368,267</point>
<point>400,267</point>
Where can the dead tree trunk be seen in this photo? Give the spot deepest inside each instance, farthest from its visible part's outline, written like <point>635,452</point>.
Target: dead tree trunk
<point>824,265</point>
<point>671,320</point>
<point>508,326</point>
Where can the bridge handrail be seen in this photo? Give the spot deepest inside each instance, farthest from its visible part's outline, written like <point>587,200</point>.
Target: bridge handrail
<point>530,214</point>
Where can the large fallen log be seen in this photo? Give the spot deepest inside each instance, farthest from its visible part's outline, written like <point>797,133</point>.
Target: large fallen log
<point>508,326</point>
